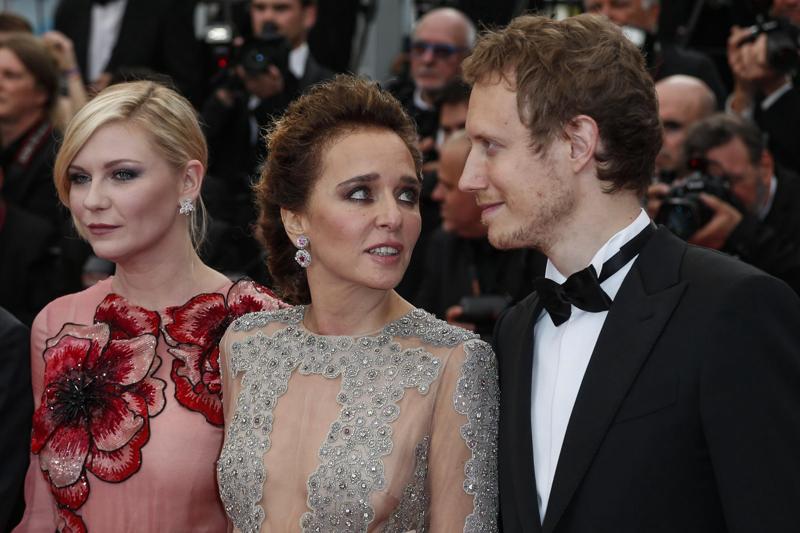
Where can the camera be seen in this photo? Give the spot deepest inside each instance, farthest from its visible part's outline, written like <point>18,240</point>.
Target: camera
<point>482,311</point>
<point>783,43</point>
<point>259,52</point>
<point>682,211</point>
<point>255,54</point>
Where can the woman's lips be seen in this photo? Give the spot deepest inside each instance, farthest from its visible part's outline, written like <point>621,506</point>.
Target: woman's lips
<point>101,229</point>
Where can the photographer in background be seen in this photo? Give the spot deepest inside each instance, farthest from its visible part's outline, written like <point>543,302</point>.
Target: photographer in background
<point>467,281</point>
<point>762,60</point>
<point>270,67</point>
<point>764,230</point>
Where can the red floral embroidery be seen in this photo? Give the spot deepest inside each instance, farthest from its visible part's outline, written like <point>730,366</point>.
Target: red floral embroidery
<point>99,395</point>
<point>69,522</point>
<point>194,331</point>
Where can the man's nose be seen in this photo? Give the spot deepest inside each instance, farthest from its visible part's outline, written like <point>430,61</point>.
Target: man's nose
<point>471,178</point>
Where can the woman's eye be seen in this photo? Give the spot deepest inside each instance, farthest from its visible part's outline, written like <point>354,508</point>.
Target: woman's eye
<point>360,193</point>
<point>78,178</point>
<point>125,174</point>
<point>409,195</point>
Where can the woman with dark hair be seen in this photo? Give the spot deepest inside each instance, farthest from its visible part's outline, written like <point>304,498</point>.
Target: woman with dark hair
<point>125,374</point>
<point>352,411</point>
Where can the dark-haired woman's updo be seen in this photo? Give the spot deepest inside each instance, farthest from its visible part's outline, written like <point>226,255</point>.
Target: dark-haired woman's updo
<point>296,145</point>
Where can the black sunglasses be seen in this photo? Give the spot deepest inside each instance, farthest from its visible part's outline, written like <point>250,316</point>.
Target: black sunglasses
<point>440,50</point>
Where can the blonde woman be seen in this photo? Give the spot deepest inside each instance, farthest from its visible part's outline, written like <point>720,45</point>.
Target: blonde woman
<point>128,416</point>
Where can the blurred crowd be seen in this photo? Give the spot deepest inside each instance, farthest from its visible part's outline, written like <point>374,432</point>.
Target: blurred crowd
<point>726,80</point>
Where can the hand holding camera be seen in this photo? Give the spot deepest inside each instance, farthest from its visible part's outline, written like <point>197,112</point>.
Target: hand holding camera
<point>263,85</point>
<point>719,227</point>
<point>700,208</point>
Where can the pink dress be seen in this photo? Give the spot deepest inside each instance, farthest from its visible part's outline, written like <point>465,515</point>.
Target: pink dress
<point>128,412</point>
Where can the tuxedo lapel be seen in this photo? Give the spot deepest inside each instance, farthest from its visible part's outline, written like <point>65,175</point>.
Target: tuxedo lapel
<point>640,311</point>
<point>518,411</point>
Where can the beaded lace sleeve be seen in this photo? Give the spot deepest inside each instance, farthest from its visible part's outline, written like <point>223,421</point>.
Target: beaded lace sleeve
<point>477,397</point>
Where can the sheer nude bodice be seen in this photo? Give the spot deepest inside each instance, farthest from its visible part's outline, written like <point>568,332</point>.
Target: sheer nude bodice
<point>394,431</point>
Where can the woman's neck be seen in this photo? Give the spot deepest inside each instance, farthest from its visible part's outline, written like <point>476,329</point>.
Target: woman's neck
<point>157,284</point>
<point>353,310</point>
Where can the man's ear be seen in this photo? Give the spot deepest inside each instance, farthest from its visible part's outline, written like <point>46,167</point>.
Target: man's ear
<point>583,137</point>
<point>767,165</point>
<point>309,17</point>
<point>192,180</point>
<point>294,223</point>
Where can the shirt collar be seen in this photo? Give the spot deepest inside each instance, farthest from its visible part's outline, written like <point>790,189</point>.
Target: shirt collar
<point>772,98</point>
<point>419,102</point>
<point>297,60</point>
<point>764,211</point>
<point>605,252</point>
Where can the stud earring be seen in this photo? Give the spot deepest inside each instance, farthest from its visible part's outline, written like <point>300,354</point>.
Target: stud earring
<point>302,256</point>
<point>186,207</point>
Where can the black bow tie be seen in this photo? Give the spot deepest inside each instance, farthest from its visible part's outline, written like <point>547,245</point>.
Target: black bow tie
<point>582,289</point>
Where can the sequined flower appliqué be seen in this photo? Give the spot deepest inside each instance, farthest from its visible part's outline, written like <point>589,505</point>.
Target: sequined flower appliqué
<point>99,395</point>
<point>194,331</point>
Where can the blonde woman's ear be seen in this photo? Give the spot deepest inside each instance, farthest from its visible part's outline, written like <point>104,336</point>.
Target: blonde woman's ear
<point>192,179</point>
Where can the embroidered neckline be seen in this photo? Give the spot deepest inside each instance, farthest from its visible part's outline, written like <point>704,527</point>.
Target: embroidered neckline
<point>375,372</point>
<point>109,367</point>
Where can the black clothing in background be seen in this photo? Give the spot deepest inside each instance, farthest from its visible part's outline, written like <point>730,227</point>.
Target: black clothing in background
<point>687,416</point>
<point>235,156</point>
<point>427,120</point>
<point>453,262</point>
<point>431,219</point>
<point>331,38</point>
<point>773,245</point>
<point>27,166</point>
<point>16,412</point>
<point>666,59</point>
<point>30,273</point>
<point>156,34</point>
<point>781,124</point>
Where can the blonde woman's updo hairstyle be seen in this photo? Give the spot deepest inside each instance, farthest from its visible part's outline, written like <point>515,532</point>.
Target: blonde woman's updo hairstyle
<point>296,144</point>
<point>167,118</point>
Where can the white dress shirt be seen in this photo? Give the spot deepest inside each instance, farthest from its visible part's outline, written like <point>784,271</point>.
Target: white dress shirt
<point>560,357</point>
<point>105,26</point>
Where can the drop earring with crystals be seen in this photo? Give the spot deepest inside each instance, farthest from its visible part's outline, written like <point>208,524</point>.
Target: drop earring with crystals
<point>186,207</point>
<point>302,256</point>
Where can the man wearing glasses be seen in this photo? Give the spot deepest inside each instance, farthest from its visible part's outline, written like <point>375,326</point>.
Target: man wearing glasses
<point>441,39</point>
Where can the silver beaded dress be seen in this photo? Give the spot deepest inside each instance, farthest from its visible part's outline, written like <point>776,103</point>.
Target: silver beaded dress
<point>392,431</point>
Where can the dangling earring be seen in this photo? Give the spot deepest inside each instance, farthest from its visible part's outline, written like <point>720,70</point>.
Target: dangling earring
<point>186,207</point>
<point>302,256</point>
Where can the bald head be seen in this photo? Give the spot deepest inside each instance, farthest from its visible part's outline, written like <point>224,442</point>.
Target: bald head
<point>460,214</point>
<point>682,101</point>
<point>442,38</point>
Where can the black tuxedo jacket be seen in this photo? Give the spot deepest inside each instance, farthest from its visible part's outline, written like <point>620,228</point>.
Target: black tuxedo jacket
<point>16,411</point>
<point>157,34</point>
<point>688,416</point>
